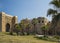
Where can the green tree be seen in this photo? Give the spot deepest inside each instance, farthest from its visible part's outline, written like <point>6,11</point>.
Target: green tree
<point>27,29</point>
<point>17,29</point>
<point>24,24</point>
<point>34,22</point>
<point>45,30</point>
<point>55,13</point>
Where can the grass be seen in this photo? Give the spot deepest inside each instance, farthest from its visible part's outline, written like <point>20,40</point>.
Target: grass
<point>48,38</point>
<point>5,38</point>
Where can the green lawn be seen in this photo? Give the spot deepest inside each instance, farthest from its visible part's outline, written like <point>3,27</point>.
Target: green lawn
<point>20,39</point>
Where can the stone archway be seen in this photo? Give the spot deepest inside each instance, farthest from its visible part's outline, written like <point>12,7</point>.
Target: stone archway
<point>7,27</point>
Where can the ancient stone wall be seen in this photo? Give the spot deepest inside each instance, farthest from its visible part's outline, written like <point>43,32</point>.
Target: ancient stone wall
<point>7,22</point>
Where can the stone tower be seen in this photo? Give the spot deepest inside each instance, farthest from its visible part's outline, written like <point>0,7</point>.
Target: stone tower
<point>7,22</point>
<point>42,21</point>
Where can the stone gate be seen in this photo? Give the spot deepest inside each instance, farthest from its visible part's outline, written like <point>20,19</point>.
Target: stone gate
<point>7,22</point>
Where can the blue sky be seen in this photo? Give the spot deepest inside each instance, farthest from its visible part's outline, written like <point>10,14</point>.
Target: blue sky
<point>25,8</point>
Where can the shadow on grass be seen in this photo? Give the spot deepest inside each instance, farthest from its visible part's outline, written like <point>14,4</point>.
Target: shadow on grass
<point>46,39</point>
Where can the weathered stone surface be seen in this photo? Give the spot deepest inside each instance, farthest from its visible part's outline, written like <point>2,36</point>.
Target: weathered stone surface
<point>41,22</point>
<point>7,19</point>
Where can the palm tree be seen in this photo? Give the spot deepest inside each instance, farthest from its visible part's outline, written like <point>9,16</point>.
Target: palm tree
<point>55,13</point>
<point>34,22</point>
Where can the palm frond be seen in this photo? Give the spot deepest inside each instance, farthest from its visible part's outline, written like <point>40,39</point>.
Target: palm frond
<point>55,19</point>
<point>55,3</point>
<point>51,12</point>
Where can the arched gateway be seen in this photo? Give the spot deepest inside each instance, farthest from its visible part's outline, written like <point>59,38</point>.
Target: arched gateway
<point>7,22</point>
<point>7,27</point>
